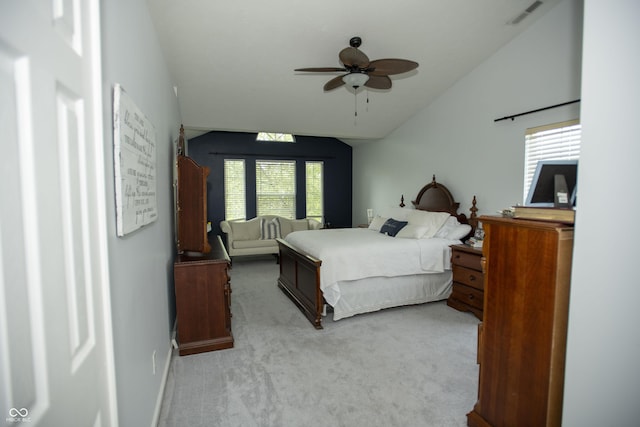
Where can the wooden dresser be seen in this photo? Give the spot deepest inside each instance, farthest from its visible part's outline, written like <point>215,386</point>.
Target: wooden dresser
<point>203,300</point>
<point>522,338</point>
<point>468,280</point>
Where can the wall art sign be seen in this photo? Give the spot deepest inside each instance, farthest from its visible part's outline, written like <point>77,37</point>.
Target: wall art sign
<point>134,141</point>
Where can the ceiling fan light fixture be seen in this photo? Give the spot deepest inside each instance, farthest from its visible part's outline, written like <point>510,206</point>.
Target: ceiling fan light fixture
<point>355,80</point>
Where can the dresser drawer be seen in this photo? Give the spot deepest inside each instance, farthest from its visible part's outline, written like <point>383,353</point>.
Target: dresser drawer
<point>468,277</point>
<point>466,259</point>
<point>468,295</point>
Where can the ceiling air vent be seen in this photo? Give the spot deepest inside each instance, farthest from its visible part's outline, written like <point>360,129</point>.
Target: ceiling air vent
<point>529,10</point>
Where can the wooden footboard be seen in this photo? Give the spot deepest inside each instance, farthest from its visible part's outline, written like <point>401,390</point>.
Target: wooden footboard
<point>300,280</point>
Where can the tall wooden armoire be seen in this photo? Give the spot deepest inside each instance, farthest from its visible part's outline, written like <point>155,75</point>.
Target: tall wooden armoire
<point>522,338</point>
<point>191,203</point>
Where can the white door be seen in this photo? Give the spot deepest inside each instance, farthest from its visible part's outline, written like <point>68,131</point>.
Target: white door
<point>56,351</point>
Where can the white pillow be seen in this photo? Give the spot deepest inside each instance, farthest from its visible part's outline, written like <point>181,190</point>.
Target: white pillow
<point>459,232</point>
<point>453,230</point>
<point>377,223</point>
<point>448,225</point>
<point>432,221</point>
<point>396,212</point>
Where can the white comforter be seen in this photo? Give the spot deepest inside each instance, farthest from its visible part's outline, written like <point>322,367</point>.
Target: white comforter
<point>358,253</point>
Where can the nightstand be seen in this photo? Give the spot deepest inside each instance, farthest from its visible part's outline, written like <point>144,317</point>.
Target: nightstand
<point>468,280</point>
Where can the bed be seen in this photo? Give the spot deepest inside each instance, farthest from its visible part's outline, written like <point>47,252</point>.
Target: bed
<point>361,270</point>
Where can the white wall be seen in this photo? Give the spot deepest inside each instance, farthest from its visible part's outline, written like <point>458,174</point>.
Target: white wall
<point>602,385</point>
<point>456,138</point>
<point>140,262</point>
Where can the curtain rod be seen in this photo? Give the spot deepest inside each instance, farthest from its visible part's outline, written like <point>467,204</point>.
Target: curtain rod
<point>535,111</point>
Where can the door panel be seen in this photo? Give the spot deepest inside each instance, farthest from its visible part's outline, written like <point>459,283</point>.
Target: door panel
<point>56,365</point>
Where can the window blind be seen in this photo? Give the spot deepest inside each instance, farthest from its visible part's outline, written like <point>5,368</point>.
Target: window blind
<point>276,188</point>
<point>234,189</point>
<point>558,141</point>
<point>314,190</point>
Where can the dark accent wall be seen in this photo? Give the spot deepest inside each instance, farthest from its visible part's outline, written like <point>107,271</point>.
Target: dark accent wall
<point>212,148</point>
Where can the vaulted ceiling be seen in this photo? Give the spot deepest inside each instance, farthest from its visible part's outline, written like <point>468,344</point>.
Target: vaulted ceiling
<point>233,61</point>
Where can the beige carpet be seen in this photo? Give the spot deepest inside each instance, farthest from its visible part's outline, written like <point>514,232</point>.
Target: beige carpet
<point>410,366</point>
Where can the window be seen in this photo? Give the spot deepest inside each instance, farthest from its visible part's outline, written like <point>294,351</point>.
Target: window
<point>234,190</point>
<point>313,182</point>
<point>276,188</point>
<point>277,137</point>
<point>558,141</point>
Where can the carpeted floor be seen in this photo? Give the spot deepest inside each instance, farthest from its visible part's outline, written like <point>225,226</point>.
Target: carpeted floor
<point>410,366</point>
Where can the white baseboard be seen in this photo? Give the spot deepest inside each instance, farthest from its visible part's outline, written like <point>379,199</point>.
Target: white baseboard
<point>163,383</point>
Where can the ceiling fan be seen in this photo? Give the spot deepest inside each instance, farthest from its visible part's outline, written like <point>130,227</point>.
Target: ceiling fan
<point>361,71</point>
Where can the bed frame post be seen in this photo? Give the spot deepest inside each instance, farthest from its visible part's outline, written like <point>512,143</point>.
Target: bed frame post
<point>473,219</point>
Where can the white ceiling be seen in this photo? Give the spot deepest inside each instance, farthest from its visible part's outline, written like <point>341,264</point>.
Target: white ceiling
<point>233,61</point>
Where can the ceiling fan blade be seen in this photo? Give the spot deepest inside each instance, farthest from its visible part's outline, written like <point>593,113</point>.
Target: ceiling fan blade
<point>321,69</point>
<point>378,82</point>
<point>386,67</point>
<point>333,83</point>
<point>352,57</point>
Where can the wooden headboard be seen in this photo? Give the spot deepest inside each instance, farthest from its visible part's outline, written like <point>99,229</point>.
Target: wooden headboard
<point>435,197</point>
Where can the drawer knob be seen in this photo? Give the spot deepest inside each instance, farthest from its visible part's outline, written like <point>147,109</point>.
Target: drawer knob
<point>470,296</point>
<point>472,277</point>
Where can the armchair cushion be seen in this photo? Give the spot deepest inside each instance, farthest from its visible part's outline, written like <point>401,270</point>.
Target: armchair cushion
<point>245,230</point>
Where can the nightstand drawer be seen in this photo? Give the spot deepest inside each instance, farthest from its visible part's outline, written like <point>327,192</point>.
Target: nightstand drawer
<point>466,259</point>
<point>468,277</point>
<point>469,296</point>
<point>467,293</point>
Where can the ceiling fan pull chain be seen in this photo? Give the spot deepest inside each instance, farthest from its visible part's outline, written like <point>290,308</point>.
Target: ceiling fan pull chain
<point>355,107</point>
<point>367,100</point>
